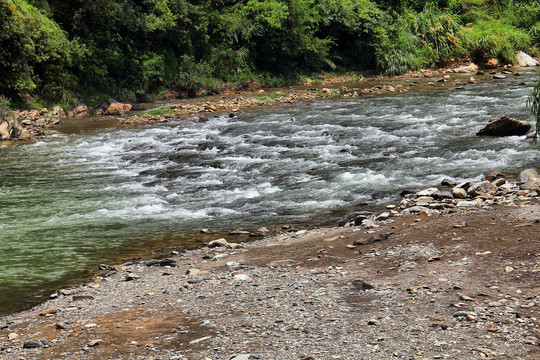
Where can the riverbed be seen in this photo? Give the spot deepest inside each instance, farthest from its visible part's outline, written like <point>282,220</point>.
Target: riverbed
<point>106,194</point>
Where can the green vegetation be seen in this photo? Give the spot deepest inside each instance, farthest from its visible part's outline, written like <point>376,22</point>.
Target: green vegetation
<point>159,112</point>
<point>271,97</point>
<point>59,52</point>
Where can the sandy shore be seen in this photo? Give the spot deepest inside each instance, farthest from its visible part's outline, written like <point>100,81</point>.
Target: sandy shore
<point>460,283</point>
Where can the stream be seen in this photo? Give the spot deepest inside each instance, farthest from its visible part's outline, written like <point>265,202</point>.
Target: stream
<point>101,196</point>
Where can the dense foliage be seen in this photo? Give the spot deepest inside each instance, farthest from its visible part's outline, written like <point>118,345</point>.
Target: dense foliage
<point>58,51</point>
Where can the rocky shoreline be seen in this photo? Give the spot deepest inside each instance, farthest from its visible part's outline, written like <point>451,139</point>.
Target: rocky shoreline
<point>450,272</point>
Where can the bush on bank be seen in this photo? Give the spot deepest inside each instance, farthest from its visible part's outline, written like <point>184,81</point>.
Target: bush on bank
<point>58,52</point>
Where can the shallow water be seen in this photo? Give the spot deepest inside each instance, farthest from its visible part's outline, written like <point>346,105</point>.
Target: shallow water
<point>103,195</point>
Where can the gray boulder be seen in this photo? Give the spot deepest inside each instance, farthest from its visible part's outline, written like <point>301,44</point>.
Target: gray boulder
<point>505,126</point>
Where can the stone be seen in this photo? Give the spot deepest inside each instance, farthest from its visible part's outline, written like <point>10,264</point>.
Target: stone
<point>492,63</point>
<point>242,357</point>
<point>132,276</point>
<point>499,182</point>
<point>446,195</point>
<point>280,263</point>
<point>424,199</point>
<point>361,285</point>
<point>525,60</point>
<point>530,185</point>
<point>482,188</point>
<point>433,192</point>
<point>499,77</point>
<point>193,272</point>
<point>459,193</point>
<point>79,112</point>
<point>6,130</point>
<point>50,311</point>
<point>224,243</point>
<point>527,175</point>
<point>12,336</point>
<point>470,68</point>
<point>118,109</point>
<point>448,182</point>
<point>355,217</point>
<point>61,326</point>
<point>466,203</point>
<point>505,126</point>
<point>241,277</point>
<point>196,341</point>
<point>34,344</point>
<point>95,342</point>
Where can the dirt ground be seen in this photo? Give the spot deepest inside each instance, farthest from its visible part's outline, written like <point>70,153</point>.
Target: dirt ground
<point>461,285</point>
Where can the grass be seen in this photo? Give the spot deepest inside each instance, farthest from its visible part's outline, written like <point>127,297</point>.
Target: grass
<point>271,97</point>
<point>160,112</point>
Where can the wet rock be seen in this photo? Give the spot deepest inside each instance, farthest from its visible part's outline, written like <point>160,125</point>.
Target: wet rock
<point>505,126</point>
<point>525,60</point>
<point>34,344</point>
<point>482,188</point>
<point>499,182</point>
<point>499,77</point>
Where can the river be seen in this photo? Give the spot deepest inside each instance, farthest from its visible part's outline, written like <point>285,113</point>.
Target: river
<point>100,196</point>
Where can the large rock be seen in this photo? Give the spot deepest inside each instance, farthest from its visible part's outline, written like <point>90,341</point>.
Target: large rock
<point>470,68</point>
<point>482,188</point>
<point>118,109</point>
<point>525,60</point>
<point>527,175</point>
<point>6,130</point>
<point>505,126</point>
<point>79,112</point>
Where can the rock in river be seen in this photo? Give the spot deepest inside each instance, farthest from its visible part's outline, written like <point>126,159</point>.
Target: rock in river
<point>505,126</point>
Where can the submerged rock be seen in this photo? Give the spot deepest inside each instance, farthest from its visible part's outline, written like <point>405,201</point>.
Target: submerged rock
<point>505,126</point>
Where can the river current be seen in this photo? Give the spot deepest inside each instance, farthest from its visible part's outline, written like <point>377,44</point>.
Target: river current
<point>83,199</point>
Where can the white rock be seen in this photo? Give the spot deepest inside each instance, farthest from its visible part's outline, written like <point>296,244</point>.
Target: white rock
<point>525,60</point>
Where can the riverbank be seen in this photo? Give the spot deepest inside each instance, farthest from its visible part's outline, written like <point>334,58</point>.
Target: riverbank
<point>31,125</point>
<point>431,277</point>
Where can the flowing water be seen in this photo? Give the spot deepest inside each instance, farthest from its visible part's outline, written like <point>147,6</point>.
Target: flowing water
<point>85,199</point>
